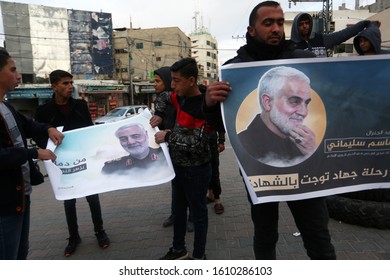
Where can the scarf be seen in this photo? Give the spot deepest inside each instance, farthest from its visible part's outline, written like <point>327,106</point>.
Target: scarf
<point>261,51</point>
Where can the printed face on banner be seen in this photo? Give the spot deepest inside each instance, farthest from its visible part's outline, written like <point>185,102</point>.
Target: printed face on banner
<point>321,137</point>
<point>109,157</point>
<point>283,125</point>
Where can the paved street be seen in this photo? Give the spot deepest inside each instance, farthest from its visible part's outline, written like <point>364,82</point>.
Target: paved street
<point>133,218</point>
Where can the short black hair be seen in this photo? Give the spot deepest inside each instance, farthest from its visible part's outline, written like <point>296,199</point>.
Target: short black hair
<point>57,75</point>
<point>252,16</point>
<point>4,56</point>
<point>304,17</point>
<point>187,67</point>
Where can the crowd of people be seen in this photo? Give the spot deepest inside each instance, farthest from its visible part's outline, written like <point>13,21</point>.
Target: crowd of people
<point>189,119</point>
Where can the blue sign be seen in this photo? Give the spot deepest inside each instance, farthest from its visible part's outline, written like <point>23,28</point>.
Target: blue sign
<point>30,93</point>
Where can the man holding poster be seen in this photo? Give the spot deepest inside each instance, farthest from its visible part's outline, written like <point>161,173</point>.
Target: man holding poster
<point>63,110</point>
<point>17,171</point>
<point>266,41</point>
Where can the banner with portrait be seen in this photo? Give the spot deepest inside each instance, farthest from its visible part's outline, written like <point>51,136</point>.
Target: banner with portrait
<point>107,157</point>
<point>295,142</point>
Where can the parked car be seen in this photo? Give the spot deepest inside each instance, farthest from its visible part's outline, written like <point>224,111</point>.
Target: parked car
<point>121,113</point>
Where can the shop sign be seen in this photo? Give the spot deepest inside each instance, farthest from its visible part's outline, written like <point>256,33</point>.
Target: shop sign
<point>30,93</point>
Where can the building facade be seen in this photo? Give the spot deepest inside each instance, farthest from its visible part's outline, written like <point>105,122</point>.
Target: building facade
<point>42,39</point>
<point>138,52</point>
<point>204,48</point>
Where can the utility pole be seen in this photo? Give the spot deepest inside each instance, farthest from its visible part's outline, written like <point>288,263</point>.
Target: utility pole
<point>327,11</point>
<point>129,68</point>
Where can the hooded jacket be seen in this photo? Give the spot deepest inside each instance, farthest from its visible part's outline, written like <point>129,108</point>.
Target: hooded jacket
<point>319,43</point>
<point>373,35</point>
<point>188,140</point>
<point>168,113</point>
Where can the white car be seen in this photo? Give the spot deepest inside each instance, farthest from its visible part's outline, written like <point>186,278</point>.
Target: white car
<point>121,113</point>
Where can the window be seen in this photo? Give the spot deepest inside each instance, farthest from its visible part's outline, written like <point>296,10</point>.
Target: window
<point>158,58</point>
<point>208,53</point>
<point>139,46</point>
<point>120,51</point>
<point>158,43</point>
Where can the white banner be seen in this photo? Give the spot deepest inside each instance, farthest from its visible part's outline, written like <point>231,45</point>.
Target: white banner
<point>103,158</point>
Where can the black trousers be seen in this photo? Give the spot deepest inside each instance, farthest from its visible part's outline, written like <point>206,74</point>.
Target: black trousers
<point>311,217</point>
<point>71,214</point>
<point>215,183</point>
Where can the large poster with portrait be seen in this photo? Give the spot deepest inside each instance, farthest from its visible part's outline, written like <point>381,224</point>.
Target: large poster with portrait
<point>304,128</point>
<point>109,157</point>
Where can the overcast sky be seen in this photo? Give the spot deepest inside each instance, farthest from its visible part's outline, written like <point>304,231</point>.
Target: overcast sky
<point>223,18</point>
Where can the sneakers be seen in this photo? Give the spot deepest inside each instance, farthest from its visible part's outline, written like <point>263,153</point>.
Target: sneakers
<point>72,245</point>
<point>204,258</point>
<point>102,239</point>
<point>175,255</point>
<point>218,208</point>
<point>168,222</point>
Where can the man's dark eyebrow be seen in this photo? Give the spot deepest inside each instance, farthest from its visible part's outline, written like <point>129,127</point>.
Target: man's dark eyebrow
<point>296,98</point>
<point>274,19</point>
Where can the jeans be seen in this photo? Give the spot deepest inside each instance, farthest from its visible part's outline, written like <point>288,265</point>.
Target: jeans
<point>311,217</point>
<point>71,214</point>
<point>14,233</point>
<point>189,189</point>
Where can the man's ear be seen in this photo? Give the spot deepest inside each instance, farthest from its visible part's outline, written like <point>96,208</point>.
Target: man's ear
<point>192,80</point>
<point>266,100</point>
<point>251,31</point>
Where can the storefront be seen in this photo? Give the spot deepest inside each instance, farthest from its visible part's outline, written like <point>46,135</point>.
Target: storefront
<point>27,99</point>
<point>144,94</point>
<point>101,98</point>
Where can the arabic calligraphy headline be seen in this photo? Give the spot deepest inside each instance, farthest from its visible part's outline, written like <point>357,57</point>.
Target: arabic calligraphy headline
<point>292,181</point>
<point>357,144</point>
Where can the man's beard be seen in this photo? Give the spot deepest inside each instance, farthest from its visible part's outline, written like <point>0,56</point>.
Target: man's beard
<point>135,150</point>
<point>283,121</point>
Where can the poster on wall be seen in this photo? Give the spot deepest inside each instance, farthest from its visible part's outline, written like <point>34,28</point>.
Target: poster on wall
<point>108,157</point>
<point>304,128</point>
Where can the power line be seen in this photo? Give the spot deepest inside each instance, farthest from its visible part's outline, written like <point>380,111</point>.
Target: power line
<point>91,39</point>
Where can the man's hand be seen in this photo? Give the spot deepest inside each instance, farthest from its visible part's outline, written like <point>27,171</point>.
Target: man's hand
<point>45,154</point>
<point>55,136</point>
<point>221,147</point>
<point>155,121</point>
<point>159,137</point>
<point>376,22</point>
<point>217,92</point>
<point>304,139</point>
